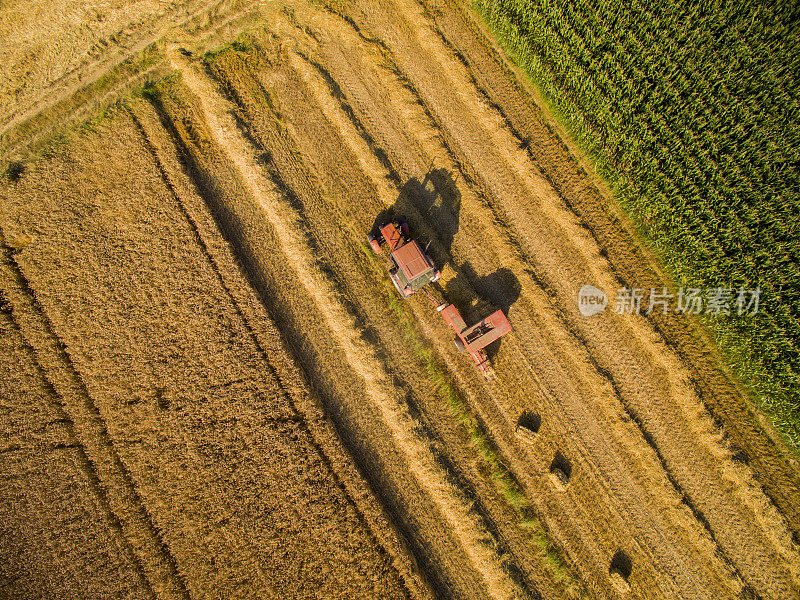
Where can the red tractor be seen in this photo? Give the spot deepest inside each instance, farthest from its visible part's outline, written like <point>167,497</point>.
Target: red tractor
<point>411,269</point>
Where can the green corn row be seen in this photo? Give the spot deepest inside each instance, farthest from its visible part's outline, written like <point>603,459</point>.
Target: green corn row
<point>692,111</point>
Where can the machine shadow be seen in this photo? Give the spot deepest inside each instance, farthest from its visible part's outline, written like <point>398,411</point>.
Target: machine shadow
<point>501,289</point>
<point>420,228</point>
<point>432,206</point>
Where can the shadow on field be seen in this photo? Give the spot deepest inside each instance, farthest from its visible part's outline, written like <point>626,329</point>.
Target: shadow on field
<point>432,207</point>
<point>501,288</point>
<point>476,296</point>
<point>14,171</point>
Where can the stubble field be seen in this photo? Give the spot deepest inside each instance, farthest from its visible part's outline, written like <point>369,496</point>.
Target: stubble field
<point>209,378</point>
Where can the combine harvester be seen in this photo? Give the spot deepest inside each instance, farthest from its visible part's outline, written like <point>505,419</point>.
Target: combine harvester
<point>411,270</point>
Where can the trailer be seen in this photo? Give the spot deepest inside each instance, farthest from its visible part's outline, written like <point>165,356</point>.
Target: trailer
<point>474,339</point>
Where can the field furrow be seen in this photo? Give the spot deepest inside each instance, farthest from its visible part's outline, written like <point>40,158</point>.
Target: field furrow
<point>558,252</point>
<point>505,420</point>
<point>103,462</point>
<point>305,410</point>
<point>227,388</point>
<point>52,484</point>
<point>416,459</point>
<point>222,422</point>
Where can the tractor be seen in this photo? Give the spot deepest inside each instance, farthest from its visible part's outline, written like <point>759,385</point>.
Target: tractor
<point>410,269</point>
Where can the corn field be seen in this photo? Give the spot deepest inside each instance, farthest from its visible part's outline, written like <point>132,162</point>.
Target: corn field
<point>690,110</point>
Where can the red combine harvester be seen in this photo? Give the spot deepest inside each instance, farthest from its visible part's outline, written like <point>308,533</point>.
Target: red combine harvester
<point>474,339</point>
<point>410,270</point>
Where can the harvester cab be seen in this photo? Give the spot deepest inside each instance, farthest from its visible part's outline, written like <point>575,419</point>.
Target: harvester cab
<point>410,268</point>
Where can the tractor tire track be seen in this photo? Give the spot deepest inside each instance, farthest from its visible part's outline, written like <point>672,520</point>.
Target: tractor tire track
<point>358,100</point>
<point>490,406</point>
<point>83,462</point>
<point>311,419</point>
<point>361,359</point>
<point>308,151</point>
<point>327,239</point>
<point>754,504</point>
<point>541,280</point>
<point>408,52</point>
<point>371,161</point>
<point>495,78</point>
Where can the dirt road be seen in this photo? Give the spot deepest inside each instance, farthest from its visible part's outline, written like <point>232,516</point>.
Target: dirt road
<point>277,155</point>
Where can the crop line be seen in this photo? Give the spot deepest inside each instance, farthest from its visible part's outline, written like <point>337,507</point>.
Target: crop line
<point>685,497</point>
<point>360,357</point>
<point>543,281</point>
<point>469,177</point>
<point>479,431</point>
<point>104,442</point>
<point>84,463</point>
<point>540,279</point>
<point>298,416</point>
<point>671,337</point>
<point>367,523</point>
<point>206,253</point>
<point>336,92</point>
<point>454,474</point>
<point>548,286</point>
<point>475,182</point>
<point>648,438</point>
<point>522,140</point>
<point>303,420</point>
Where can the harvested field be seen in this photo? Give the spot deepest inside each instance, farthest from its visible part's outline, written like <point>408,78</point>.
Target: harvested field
<point>241,405</point>
<point>208,447</point>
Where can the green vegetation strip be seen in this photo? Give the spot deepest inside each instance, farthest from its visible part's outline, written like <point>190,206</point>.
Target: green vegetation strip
<point>690,111</point>
<point>498,474</point>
